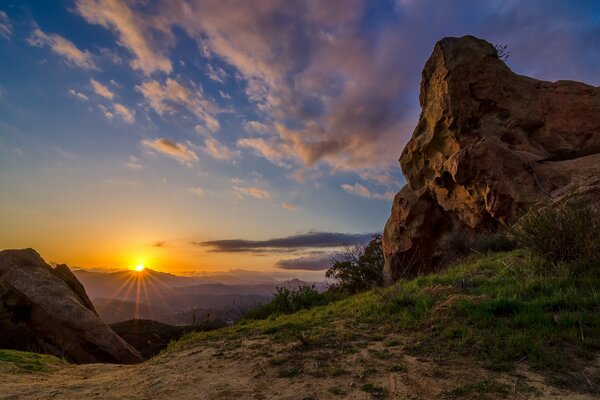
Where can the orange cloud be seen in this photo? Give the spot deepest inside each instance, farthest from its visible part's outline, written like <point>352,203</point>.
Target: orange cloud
<point>178,151</point>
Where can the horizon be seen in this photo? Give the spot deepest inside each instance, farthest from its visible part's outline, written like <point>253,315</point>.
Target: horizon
<point>194,137</point>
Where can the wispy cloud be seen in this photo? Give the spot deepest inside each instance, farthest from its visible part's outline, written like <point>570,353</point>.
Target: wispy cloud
<point>289,206</point>
<point>255,192</point>
<point>125,113</point>
<point>267,149</point>
<point>78,95</point>
<point>198,191</point>
<point>217,150</point>
<point>63,47</point>
<point>217,74</point>
<point>289,243</point>
<point>134,163</point>
<point>178,151</point>
<point>5,26</point>
<point>361,190</point>
<point>101,90</point>
<point>131,30</point>
<point>166,98</point>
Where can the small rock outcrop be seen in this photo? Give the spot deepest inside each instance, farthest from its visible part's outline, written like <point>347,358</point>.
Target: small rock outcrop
<point>45,309</point>
<point>488,143</point>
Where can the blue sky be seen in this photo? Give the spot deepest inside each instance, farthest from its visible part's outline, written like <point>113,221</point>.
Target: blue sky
<point>130,130</point>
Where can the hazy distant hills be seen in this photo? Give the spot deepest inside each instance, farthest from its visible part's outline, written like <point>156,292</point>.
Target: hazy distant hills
<point>124,295</point>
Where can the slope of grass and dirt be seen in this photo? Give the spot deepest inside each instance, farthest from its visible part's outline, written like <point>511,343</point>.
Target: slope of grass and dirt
<point>503,325</point>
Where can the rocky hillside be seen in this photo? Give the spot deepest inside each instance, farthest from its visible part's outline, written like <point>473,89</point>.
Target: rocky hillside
<point>46,310</point>
<point>488,143</point>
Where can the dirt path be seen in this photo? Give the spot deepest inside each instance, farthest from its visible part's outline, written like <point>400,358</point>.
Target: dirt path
<point>260,369</point>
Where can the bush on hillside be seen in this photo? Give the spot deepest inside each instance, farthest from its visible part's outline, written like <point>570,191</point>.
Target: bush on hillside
<point>560,232</point>
<point>287,301</point>
<point>358,268</point>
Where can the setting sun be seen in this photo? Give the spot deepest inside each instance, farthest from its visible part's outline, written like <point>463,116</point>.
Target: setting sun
<point>139,268</point>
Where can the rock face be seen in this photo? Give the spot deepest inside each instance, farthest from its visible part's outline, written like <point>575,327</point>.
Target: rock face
<point>47,310</point>
<point>488,143</point>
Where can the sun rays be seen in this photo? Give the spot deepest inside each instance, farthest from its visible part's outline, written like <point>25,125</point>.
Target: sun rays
<point>142,288</point>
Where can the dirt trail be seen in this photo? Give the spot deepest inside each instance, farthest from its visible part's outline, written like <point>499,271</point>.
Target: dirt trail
<point>260,369</point>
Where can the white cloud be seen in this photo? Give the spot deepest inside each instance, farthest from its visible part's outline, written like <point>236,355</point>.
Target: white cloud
<point>217,74</point>
<point>134,163</point>
<point>63,47</point>
<point>77,94</point>
<point>224,95</point>
<point>178,151</point>
<point>363,191</point>
<point>107,113</point>
<point>101,90</point>
<point>5,26</point>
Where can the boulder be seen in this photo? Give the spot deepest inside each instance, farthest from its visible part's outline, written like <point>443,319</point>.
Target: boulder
<point>488,143</point>
<point>46,310</point>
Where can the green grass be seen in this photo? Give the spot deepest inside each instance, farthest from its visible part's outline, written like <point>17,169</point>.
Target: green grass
<point>28,361</point>
<point>503,309</point>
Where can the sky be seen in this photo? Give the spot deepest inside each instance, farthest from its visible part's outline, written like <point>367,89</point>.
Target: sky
<point>206,135</point>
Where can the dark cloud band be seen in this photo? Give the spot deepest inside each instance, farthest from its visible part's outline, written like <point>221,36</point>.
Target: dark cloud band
<point>289,243</point>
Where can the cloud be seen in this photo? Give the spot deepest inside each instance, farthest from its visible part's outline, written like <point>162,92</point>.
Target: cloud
<point>107,113</point>
<point>217,150</point>
<point>178,151</point>
<point>310,263</point>
<point>255,192</point>
<point>166,98</point>
<point>289,206</point>
<point>267,149</point>
<point>79,95</point>
<point>347,114</point>
<point>217,74</point>
<point>126,114</point>
<point>363,191</point>
<point>63,47</point>
<point>134,163</point>
<point>131,29</point>
<point>256,127</point>
<point>224,95</point>
<point>289,243</point>
<point>101,90</point>
<point>5,26</point>
<point>198,191</point>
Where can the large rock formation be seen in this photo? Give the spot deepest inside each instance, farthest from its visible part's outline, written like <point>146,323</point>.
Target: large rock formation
<point>45,309</point>
<point>488,143</point>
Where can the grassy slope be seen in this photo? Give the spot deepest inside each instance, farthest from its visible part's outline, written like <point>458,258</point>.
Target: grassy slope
<point>32,362</point>
<point>502,309</point>
<point>427,337</point>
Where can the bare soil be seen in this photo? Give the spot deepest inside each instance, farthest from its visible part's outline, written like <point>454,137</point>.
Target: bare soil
<point>262,368</point>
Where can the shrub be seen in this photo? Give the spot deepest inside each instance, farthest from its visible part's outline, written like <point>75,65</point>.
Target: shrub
<point>358,268</point>
<point>560,232</point>
<point>287,301</point>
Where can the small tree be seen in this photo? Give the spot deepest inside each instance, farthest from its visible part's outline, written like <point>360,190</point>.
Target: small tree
<point>502,51</point>
<point>358,268</point>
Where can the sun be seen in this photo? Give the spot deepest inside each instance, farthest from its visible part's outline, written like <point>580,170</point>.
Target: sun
<point>139,268</point>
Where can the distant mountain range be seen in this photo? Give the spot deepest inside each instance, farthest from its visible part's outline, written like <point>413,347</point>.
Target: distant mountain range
<point>124,295</point>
